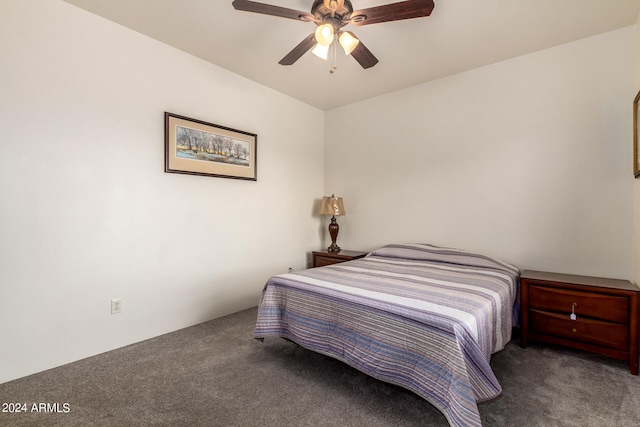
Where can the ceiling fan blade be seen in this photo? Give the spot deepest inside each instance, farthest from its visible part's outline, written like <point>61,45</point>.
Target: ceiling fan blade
<point>269,9</point>
<point>392,12</point>
<point>364,56</point>
<point>297,52</point>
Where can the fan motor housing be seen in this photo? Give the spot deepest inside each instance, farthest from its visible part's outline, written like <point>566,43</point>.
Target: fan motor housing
<point>340,18</point>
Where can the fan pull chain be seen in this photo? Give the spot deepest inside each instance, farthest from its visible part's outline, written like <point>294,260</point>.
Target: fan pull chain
<point>334,67</point>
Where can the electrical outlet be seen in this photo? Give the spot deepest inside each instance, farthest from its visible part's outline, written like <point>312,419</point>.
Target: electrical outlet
<point>290,269</point>
<point>116,306</point>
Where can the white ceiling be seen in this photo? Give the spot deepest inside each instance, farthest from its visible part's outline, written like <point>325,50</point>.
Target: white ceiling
<point>459,35</point>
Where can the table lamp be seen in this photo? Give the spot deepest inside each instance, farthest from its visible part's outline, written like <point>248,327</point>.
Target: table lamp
<point>332,206</point>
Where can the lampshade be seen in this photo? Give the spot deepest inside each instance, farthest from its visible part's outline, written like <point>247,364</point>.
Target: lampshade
<point>321,51</point>
<point>332,206</point>
<point>348,41</point>
<point>324,34</point>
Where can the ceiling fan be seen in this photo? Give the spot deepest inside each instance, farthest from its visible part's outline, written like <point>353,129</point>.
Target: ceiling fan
<point>330,16</point>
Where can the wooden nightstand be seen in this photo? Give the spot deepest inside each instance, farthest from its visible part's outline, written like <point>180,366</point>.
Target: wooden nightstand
<point>589,313</point>
<point>322,258</point>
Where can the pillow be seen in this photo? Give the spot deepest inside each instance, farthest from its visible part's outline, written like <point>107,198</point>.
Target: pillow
<point>426,252</point>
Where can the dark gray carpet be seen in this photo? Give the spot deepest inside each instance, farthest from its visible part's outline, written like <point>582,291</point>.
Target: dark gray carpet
<point>216,374</point>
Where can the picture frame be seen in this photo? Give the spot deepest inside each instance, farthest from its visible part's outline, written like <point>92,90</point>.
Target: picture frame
<point>636,153</point>
<point>196,147</point>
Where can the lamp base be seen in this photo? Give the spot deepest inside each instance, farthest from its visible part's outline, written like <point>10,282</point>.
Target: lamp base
<point>333,248</point>
<point>333,232</point>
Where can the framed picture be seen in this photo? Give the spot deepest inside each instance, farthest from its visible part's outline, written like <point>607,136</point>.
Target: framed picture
<point>636,154</point>
<point>195,147</point>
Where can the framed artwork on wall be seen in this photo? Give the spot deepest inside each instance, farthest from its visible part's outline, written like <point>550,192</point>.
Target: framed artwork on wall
<point>636,154</point>
<point>195,147</point>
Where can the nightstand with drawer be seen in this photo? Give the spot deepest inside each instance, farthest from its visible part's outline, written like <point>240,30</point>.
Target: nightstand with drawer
<point>589,313</point>
<point>322,258</point>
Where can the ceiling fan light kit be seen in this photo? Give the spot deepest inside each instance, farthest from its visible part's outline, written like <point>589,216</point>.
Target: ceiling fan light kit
<point>330,16</point>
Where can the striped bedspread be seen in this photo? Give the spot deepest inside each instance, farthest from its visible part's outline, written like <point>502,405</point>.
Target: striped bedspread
<point>419,316</point>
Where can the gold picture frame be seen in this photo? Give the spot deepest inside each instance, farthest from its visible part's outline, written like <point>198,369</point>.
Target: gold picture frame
<point>636,154</point>
<point>195,147</point>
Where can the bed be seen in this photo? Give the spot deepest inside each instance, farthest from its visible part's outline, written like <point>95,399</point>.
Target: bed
<point>423,317</point>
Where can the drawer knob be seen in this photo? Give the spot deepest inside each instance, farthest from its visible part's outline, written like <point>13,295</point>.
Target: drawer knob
<point>575,330</point>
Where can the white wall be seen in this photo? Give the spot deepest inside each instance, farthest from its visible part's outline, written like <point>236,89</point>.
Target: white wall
<point>87,213</point>
<point>527,160</point>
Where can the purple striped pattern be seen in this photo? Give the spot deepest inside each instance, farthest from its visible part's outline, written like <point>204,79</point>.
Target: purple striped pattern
<point>419,316</point>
